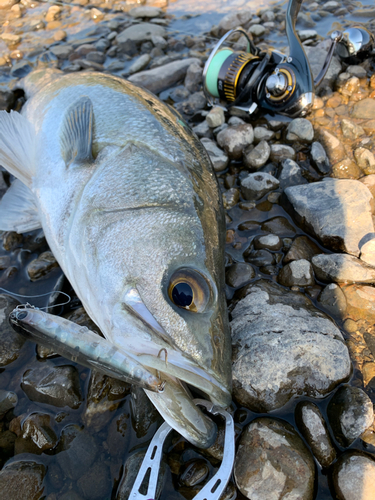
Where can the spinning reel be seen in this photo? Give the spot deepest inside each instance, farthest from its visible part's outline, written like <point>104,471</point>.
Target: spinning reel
<point>270,80</point>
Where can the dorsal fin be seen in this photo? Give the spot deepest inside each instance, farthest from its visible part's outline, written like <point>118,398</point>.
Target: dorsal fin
<point>18,209</point>
<point>76,132</point>
<point>17,145</point>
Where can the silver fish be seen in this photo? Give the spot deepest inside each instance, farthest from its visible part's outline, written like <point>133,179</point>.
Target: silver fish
<point>130,207</point>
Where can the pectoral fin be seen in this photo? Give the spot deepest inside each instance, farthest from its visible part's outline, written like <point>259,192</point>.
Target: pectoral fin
<point>76,132</point>
<point>17,145</point>
<point>18,209</point>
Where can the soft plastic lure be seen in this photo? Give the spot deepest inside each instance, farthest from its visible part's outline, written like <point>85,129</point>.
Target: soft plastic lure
<point>81,345</point>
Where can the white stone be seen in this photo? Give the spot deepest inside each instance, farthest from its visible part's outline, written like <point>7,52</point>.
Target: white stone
<point>368,252</point>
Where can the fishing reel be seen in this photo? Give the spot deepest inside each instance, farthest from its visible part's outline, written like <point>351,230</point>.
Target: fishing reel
<point>270,80</point>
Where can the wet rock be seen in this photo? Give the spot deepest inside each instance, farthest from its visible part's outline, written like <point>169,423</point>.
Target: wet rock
<point>239,274</point>
<point>263,134</point>
<point>291,174</point>
<point>259,257</point>
<point>23,479</point>
<point>336,211</point>
<point>332,298</point>
<point>334,148</point>
<point>215,117</point>
<point>53,13</point>
<point>96,482</point>
<point>316,57</point>
<point>303,355</point>
<point>342,268</point>
<point>314,429</point>
<point>218,158</point>
<point>350,413</point>
<point>193,79</point>
<point>10,342</point>
<point>368,253</point>
<point>132,466</point>
<point>300,129</point>
<point>195,471</point>
<point>364,109</point>
<point>54,385</point>
<point>272,459</point>
<point>319,158</point>
<point>6,98</point>
<point>268,241</point>
<point>280,152</point>
<point>255,186</point>
<point>301,248</point>
<point>354,477</point>
<point>103,397</point>
<point>350,130</point>
<point>234,139</point>
<point>8,401</point>
<point>144,414</point>
<point>139,64</point>
<point>76,451</point>
<point>37,428</point>
<point>139,33</point>
<point>158,79</point>
<point>255,158</point>
<point>21,69</point>
<point>360,302</point>
<point>280,226</point>
<point>7,440</point>
<point>99,58</point>
<point>297,273</point>
<point>346,169</point>
<point>118,435</point>
<point>62,51</point>
<point>365,160</point>
<point>41,266</point>
<point>231,198</point>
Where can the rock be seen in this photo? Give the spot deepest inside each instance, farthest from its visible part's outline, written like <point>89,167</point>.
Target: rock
<point>263,134</point>
<point>300,129</point>
<point>62,51</point>
<point>231,198</point>
<point>53,13</point>
<point>37,428</point>
<point>7,440</point>
<point>368,253</point>
<point>360,302</point>
<point>234,19</point>
<point>234,139</point>
<point>280,226</point>
<point>41,266</point>
<point>350,413</point>
<point>255,186</point>
<point>203,130</point>
<point>319,158</point>
<point>350,130</point>
<point>332,298</point>
<point>131,468</point>
<point>8,401</point>
<point>336,211</point>
<point>7,4</point>
<point>314,429</point>
<point>143,413</point>
<point>10,39</point>
<point>354,477</point>
<point>10,342</point>
<point>346,169</point>
<point>365,160</point>
<point>99,58</point>
<point>239,274</point>
<point>364,109</point>
<point>215,117</point>
<point>307,34</point>
<point>369,182</point>
<point>195,471</point>
<point>6,98</point>
<point>282,347</point>
<point>76,451</point>
<point>195,102</point>
<point>291,174</point>
<point>139,33</point>
<point>342,268</point>
<point>316,57</point>
<point>54,385</point>
<point>22,479</point>
<point>301,248</point>
<point>257,157</point>
<point>21,69</point>
<point>334,148</point>
<point>193,79</point>
<point>219,159</point>
<point>158,79</point>
<point>259,257</point>
<point>268,241</point>
<point>280,152</point>
<point>257,30</point>
<point>297,273</point>
<point>96,482</point>
<point>271,458</point>
<point>146,11</point>
<point>139,64</point>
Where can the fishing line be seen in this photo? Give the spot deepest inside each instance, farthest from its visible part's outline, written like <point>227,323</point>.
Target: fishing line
<point>40,295</point>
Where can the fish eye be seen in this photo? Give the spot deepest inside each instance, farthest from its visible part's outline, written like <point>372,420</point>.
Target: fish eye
<point>189,290</point>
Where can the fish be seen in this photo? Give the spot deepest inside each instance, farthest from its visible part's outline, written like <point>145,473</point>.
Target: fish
<point>130,206</point>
